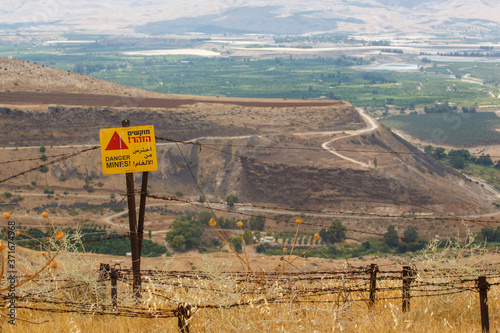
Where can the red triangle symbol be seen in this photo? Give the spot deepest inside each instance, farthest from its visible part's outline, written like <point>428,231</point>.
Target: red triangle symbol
<point>116,143</point>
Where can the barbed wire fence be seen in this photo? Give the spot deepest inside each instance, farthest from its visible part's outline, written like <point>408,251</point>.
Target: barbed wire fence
<point>366,285</point>
<point>306,287</point>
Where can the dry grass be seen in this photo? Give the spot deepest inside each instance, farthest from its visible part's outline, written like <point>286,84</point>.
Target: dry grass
<point>455,313</point>
<point>70,298</point>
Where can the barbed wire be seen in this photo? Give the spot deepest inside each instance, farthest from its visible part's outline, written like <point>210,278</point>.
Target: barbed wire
<point>252,146</point>
<point>281,210</point>
<point>314,224</point>
<point>310,295</point>
<point>295,173</point>
<point>366,151</point>
<point>447,216</point>
<point>41,158</point>
<point>49,163</point>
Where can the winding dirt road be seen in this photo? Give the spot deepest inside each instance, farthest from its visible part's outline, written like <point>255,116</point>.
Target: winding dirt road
<point>371,126</point>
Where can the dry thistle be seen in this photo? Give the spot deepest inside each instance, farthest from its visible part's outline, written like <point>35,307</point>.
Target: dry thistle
<point>59,235</point>
<point>53,265</point>
<point>213,224</point>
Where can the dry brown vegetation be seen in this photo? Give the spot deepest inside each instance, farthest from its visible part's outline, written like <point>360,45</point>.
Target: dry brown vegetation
<point>17,75</point>
<point>72,297</point>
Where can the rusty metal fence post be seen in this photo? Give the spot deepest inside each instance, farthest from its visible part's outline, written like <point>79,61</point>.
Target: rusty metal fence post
<point>373,282</point>
<point>408,274</point>
<point>114,290</point>
<point>483,286</point>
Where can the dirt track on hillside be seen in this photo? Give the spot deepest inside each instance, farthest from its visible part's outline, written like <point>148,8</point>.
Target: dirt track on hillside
<point>38,98</point>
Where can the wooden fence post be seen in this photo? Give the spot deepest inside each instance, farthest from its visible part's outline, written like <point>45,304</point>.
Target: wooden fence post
<point>373,282</point>
<point>483,287</point>
<point>114,291</point>
<point>132,220</point>
<point>407,278</point>
<point>183,313</point>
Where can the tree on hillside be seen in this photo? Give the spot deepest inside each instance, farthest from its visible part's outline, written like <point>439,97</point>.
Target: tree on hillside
<point>410,235</point>
<point>248,236</point>
<point>484,160</point>
<point>460,153</point>
<point>257,222</point>
<point>391,237</point>
<point>334,234</point>
<point>429,149</point>
<point>439,153</point>
<point>231,200</point>
<point>237,243</point>
<point>204,217</point>
<point>457,162</point>
<point>491,235</point>
<point>185,234</point>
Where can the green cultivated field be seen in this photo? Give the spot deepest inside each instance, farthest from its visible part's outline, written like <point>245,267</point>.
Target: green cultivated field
<point>337,77</point>
<point>454,129</point>
<point>298,79</point>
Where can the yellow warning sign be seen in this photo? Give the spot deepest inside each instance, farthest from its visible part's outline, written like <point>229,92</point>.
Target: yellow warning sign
<point>128,149</point>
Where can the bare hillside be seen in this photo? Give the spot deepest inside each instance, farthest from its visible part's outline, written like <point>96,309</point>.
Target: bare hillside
<point>17,75</point>
<point>265,155</point>
<point>321,155</point>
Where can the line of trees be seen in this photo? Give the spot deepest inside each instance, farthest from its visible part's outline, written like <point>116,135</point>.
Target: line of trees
<point>469,54</point>
<point>447,108</point>
<point>441,108</point>
<point>459,157</point>
<point>187,231</point>
<point>116,246</point>
<point>89,68</point>
<point>409,242</point>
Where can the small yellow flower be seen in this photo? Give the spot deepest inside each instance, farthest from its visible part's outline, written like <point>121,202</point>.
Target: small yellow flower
<point>53,265</point>
<point>17,233</point>
<point>59,235</point>
<point>6,216</point>
<point>2,246</point>
<point>213,223</point>
<point>44,254</point>
<point>299,220</point>
<point>45,215</point>
<point>316,236</point>
<point>239,224</point>
<point>285,249</point>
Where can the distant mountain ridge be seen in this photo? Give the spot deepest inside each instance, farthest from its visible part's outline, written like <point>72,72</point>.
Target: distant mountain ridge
<point>480,17</point>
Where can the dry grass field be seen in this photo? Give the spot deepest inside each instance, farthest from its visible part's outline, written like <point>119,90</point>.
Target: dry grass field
<point>70,296</point>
